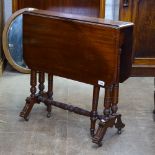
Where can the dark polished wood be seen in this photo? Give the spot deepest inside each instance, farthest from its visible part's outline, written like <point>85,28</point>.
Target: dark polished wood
<point>30,101</point>
<point>94,113</point>
<point>142,13</point>
<point>116,39</point>
<point>50,86</point>
<point>115,94</point>
<point>93,8</point>
<point>107,100</point>
<point>143,70</point>
<point>41,82</point>
<point>50,93</point>
<point>104,124</point>
<point>65,106</point>
<point>85,49</point>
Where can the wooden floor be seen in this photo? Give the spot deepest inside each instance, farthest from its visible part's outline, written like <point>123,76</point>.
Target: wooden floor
<point>68,134</point>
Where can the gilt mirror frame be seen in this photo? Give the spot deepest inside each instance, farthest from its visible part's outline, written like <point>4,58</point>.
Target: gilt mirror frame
<point>6,42</point>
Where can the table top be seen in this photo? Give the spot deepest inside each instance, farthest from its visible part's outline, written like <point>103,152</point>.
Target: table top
<point>80,48</point>
<point>101,21</point>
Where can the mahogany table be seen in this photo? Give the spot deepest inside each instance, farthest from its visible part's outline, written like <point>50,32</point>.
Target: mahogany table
<point>90,50</point>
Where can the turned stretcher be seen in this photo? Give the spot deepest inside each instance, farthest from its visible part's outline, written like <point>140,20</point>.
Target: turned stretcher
<point>85,49</point>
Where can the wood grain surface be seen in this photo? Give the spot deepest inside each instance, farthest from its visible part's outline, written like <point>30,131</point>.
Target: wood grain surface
<point>79,48</point>
<point>81,7</point>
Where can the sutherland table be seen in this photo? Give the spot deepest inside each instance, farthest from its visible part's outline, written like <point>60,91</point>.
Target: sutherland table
<point>85,49</point>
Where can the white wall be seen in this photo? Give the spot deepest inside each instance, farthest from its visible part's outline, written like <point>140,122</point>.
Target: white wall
<point>112,9</point>
<point>7,9</point>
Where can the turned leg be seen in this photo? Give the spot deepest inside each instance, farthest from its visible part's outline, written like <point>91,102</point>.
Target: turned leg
<point>100,133</point>
<point>106,121</point>
<point>30,101</point>
<point>93,117</point>
<point>41,83</point>
<point>50,93</point>
<point>115,93</point>
<point>107,101</point>
<point>33,83</point>
<point>110,118</point>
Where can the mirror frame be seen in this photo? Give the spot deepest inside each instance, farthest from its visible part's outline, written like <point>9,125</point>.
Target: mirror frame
<point>5,41</point>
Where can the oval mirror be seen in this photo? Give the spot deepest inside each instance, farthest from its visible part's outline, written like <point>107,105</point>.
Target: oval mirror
<point>12,41</point>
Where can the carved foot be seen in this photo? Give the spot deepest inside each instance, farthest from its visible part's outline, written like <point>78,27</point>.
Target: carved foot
<point>104,124</point>
<point>119,124</point>
<point>27,108</point>
<point>97,139</point>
